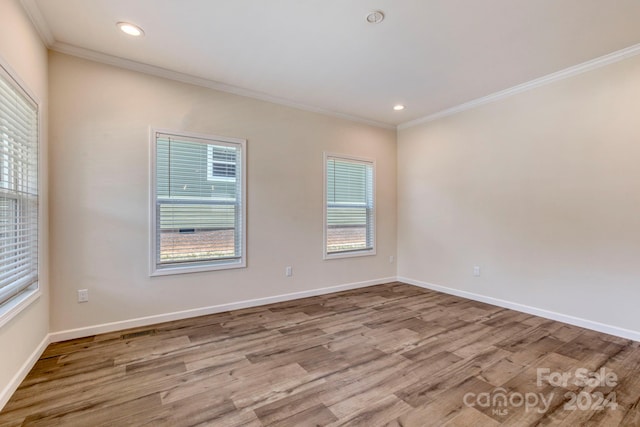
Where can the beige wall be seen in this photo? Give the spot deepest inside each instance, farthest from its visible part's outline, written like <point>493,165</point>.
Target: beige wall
<point>99,163</point>
<point>541,190</point>
<point>22,50</point>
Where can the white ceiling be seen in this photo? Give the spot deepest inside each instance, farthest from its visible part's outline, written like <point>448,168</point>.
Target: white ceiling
<point>430,55</point>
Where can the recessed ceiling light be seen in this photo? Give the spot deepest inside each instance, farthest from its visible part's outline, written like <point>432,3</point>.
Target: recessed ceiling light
<point>375,17</point>
<point>398,107</point>
<point>132,30</point>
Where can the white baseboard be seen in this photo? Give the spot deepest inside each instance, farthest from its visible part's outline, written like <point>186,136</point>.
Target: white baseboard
<point>547,314</point>
<point>10,388</point>
<point>185,314</point>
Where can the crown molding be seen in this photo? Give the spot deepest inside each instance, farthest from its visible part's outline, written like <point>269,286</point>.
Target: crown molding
<point>43,29</point>
<point>199,81</point>
<point>41,25</point>
<point>542,81</point>
<point>33,11</point>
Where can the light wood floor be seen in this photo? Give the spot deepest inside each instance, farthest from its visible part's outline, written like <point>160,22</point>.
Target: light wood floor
<point>385,355</point>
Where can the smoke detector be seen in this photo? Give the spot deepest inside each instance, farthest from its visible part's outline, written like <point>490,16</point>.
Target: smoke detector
<point>375,17</point>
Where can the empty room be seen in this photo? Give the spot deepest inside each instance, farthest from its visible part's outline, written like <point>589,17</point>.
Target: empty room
<point>319,213</point>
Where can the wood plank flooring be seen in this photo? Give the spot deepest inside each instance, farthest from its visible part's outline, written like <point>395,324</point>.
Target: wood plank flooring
<point>392,354</point>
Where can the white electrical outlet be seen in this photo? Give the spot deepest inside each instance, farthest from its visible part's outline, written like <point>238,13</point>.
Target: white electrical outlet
<point>83,295</point>
<point>391,259</point>
<point>288,271</point>
<point>476,270</point>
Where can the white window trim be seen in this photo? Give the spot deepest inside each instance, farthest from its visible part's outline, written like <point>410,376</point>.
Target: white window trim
<point>16,305</point>
<point>219,265</point>
<point>350,254</point>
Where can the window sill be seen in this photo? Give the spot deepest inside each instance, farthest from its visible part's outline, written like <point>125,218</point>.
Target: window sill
<point>197,268</point>
<point>14,306</point>
<point>353,254</point>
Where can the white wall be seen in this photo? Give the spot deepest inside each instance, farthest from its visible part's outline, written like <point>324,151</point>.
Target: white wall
<point>22,50</point>
<point>541,190</point>
<point>99,186</point>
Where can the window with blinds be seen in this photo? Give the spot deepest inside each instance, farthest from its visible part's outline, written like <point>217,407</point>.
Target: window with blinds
<point>199,203</point>
<point>349,207</point>
<point>18,190</point>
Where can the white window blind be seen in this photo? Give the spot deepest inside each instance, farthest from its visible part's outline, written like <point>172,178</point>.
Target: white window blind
<point>349,206</point>
<point>199,203</point>
<point>18,190</point>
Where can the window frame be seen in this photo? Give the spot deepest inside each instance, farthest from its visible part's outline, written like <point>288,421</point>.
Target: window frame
<point>16,304</point>
<point>352,253</point>
<point>195,266</point>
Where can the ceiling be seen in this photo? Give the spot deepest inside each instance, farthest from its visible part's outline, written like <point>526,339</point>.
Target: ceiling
<point>429,55</point>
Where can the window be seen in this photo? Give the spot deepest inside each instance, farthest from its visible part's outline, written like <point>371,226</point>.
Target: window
<point>18,193</point>
<point>221,163</point>
<point>198,207</point>
<point>349,228</point>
